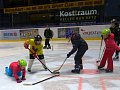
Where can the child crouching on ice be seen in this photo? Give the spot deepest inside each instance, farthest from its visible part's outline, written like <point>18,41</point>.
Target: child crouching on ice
<point>110,47</point>
<point>17,69</point>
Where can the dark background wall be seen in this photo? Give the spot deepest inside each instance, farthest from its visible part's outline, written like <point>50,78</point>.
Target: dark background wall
<point>112,8</point>
<point>40,18</point>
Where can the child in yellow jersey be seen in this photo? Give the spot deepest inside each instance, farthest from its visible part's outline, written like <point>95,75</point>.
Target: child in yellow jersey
<point>36,47</point>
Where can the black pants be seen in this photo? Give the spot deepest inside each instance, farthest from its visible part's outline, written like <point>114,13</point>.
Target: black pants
<point>40,56</point>
<point>117,52</point>
<point>78,57</point>
<point>47,40</point>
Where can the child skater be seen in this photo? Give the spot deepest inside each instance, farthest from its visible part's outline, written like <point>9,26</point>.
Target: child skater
<point>79,45</point>
<point>17,69</point>
<point>36,47</point>
<point>110,47</point>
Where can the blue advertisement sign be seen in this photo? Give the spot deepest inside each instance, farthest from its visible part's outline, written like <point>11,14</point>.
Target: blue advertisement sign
<point>67,32</point>
<point>10,34</point>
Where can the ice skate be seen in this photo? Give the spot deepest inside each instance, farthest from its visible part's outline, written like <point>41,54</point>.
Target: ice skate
<point>29,70</point>
<point>100,68</point>
<point>76,70</point>
<point>45,47</point>
<point>108,71</point>
<point>49,47</point>
<point>81,67</point>
<point>116,58</point>
<point>45,68</point>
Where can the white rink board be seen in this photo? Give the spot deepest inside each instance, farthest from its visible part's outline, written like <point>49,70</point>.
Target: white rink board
<point>92,31</point>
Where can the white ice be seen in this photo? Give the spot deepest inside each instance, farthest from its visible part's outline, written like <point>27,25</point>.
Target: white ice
<point>13,51</point>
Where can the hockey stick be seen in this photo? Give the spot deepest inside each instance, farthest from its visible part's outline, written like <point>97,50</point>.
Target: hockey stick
<point>100,56</point>
<point>100,51</point>
<point>43,63</point>
<point>97,62</point>
<point>40,81</point>
<point>52,45</point>
<point>60,66</point>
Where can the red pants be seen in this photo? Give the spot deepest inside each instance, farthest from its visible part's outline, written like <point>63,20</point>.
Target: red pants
<point>108,57</point>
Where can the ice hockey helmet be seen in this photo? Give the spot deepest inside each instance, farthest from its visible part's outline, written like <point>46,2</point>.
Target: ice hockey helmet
<point>22,62</point>
<point>105,31</point>
<point>37,38</point>
<point>113,20</point>
<point>75,36</point>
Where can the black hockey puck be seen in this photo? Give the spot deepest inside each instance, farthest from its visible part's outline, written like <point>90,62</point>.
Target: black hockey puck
<point>56,72</point>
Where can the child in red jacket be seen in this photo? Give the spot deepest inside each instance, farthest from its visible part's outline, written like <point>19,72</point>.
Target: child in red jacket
<point>17,69</point>
<point>110,47</point>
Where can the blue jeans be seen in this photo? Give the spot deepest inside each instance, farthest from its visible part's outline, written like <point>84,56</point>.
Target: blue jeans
<point>10,73</point>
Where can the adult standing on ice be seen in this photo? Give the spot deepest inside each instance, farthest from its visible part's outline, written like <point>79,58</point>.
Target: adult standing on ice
<point>48,33</point>
<point>116,31</point>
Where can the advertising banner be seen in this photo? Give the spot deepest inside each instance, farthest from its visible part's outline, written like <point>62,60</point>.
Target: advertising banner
<point>66,32</point>
<point>86,32</point>
<point>55,6</point>
<point>10,35</point>
<point>84,14</point>
<point>28,33</point>
<point>90,32</point>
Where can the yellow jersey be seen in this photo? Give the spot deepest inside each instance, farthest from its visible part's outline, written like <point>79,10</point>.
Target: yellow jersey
<point>38,48</point>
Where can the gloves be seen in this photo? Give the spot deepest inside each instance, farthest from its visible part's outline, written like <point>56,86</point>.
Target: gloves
<point>35,55</point>
<point>35,50</point>
<point>19,81</point>
<point>23,78</point>
<point>68,55</point>
<point>26,45</point>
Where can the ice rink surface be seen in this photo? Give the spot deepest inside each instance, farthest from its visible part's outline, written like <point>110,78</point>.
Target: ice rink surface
<point>88,79</point>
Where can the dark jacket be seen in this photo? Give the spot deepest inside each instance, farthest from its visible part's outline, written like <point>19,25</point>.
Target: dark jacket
<point>116,31</point>
<point>48,33</point>
<point>78,44</point>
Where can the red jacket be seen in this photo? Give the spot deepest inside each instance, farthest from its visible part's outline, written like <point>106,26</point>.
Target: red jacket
<point>110,43</point>
<point>16,68</point>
